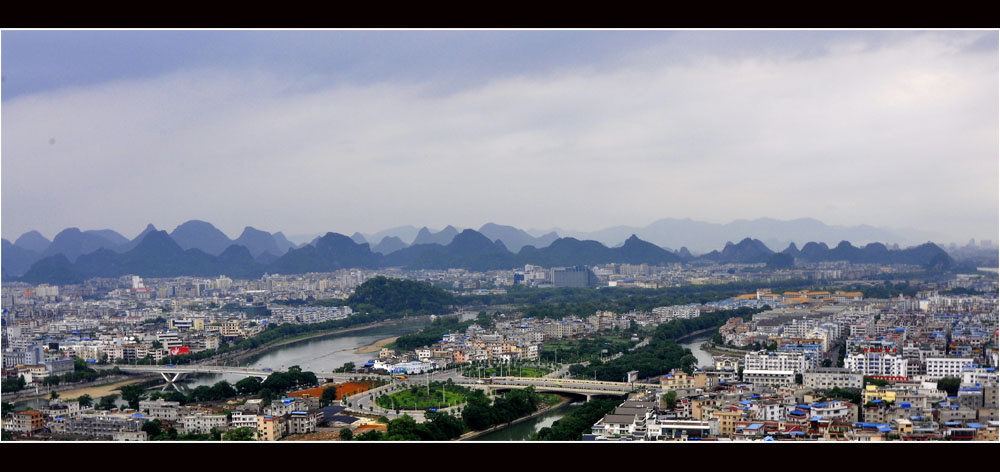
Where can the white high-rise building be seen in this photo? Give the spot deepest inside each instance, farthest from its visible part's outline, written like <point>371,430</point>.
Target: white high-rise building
<point>877,363</point>
<point>940,367</point>
<point>763,360</point>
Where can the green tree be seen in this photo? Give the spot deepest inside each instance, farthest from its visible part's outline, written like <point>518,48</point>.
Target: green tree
<point>798,379</point>
<point>85,401</point>
<point>670,399</point>
<point>373,435</point>
<point>950,385</point>
<point>133,394</point>
<point>346,434</point>
<point>107,402</point>
<point>238,434</point>
<point>248,386</point>
<point>7,408</point>
<point>329,396</point>
<point>54,395</point>
<point>152,428</point>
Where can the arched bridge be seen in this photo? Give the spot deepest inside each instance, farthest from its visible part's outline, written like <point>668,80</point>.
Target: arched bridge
<point>172,373</point>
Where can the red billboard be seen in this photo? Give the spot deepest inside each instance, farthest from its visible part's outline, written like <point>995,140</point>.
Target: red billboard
<point>179,350</point>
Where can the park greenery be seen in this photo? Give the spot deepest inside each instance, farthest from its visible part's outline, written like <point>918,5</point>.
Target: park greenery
<point>515,369</point>
<point>434,395</point>
<point>478,414</point>
<point>662,354</point>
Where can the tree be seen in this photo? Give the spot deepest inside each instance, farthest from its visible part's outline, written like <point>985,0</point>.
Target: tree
<point>329,396</point>
<point>7,408</point>
<point>238,434</point>
<point>798,379</point>
<point>670,398</point>
<point>827,363</point>
<point>248,386</point>
<point>152,428</point>
<point>85,401</point>
<point>54,395</point>
<point>346,434</point>
<point>950,385</point>
<point>132,393</point>
<point>373,435</point>
<point>107,402</point>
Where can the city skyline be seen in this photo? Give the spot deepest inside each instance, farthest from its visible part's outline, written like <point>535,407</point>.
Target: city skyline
<point>309,131</point>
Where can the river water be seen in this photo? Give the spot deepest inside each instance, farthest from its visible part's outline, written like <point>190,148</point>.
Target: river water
<point>523,431</point>
<point>694,344</point>
<point>319,354</point>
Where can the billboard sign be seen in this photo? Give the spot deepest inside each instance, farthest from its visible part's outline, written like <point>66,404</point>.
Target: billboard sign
<point>180,350</point>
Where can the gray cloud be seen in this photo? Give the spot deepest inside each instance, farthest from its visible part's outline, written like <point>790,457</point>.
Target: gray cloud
<point>895,130</point>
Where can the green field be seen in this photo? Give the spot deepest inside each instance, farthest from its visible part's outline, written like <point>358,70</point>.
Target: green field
<point>550,399</point>
<point>418,398</point>
<point>515,371</point>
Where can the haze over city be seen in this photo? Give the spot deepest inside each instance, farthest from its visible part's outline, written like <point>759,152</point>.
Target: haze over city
<point>314,131</point>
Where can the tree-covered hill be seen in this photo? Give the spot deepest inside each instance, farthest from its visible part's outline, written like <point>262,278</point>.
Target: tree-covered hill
<point>396,296</point>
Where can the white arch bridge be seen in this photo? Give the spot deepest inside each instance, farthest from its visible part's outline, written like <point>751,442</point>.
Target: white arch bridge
<point>173,373</point>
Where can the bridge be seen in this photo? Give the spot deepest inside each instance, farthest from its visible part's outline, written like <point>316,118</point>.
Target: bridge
<point>173,373</point>
<point>587,388</point>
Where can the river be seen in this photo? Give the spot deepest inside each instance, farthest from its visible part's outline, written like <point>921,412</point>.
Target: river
<point>318,354</point>
<point>704,357</point>
<point>523,431</point>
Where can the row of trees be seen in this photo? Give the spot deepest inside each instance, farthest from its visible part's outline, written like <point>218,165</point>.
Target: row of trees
<point>438,427</point>
<point>480,414</point>
<point>572,426</point>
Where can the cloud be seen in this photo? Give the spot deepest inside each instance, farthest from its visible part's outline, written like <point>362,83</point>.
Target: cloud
<point>895,130</point>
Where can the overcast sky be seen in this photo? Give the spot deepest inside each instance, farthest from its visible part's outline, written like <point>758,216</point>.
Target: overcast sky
<point>309,131</point>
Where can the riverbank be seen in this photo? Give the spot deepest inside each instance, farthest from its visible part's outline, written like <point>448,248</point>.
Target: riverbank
<point>376,346</point>
<point>541,411</point>
<point>694,334</point>
<point>95,390</point>
<point>263,349</point>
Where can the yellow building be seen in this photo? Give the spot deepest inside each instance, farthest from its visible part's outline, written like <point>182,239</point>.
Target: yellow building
<point>873,392</point>
<point>727,421</point>
<point>269,428</point>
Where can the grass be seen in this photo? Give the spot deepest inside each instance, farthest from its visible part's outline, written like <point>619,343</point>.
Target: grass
<point>550,399</point>
<point>513,371</point>
<point>417,398</point>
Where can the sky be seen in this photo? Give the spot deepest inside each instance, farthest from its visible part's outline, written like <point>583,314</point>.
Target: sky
<point>315,131</point>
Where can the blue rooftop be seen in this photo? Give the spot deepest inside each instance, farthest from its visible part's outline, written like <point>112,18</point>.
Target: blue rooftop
<point>754,426</point>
